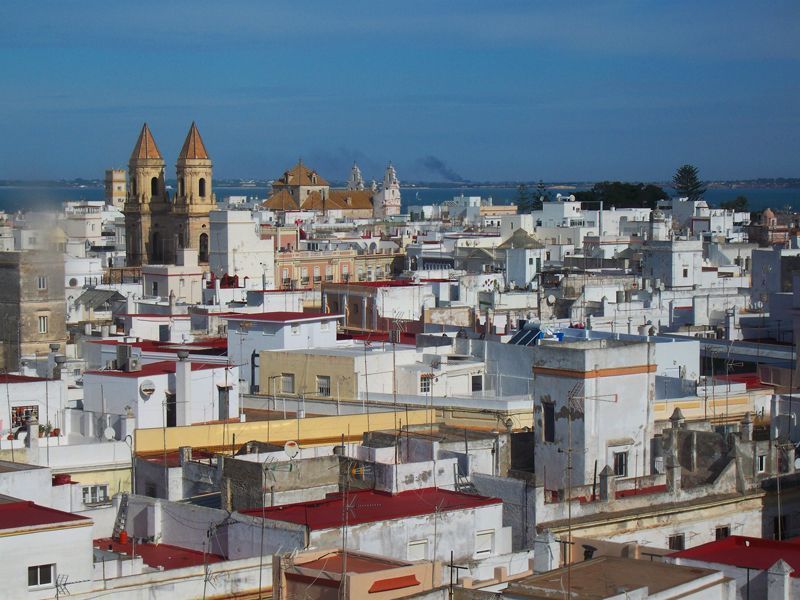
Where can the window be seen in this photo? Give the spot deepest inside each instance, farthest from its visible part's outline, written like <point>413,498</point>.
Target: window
<point>154,186</point>
<point>417,550</point>
<point>720,533</point>
<point>41,282</point>
<point>42,323</point>
<point>287,383</point>
<point>202,254</point>
<point>20,415</point>
<point>477,383</point>
<point>621,464</point>
<point>677,542</point>
<point>425,383</point>
<point>41,575</point>
<point>761,463</point>
<point>484,542</point>
<point>73,282</point>
<point>549,421</point>
<point>317,277</point>
<point>324,385</point>
<point>202,187</point>
<point>686,272</point>
<point>155,288</point>
<point>95,494</point>
<point>223,397</point>
<point>171,409</point>
<point>530,260</point>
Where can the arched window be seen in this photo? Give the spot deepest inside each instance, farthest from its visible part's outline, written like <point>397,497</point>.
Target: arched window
<point>181,188</point>
<point>202,185</point>
<point>203,253</point>
<point>154,186</point>
<point>133,186</point>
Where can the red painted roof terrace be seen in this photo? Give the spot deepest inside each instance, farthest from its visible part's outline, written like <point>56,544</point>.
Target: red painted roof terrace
<point>279,317</point>
<point>368,506</point>
<point>160,555</point>
<point>749,552</point>
<point>15,515</point>
<point>10,378</point>
<point>162,367</point>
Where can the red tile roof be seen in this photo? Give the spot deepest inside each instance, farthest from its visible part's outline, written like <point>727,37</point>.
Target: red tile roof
<point>14,515</point>
<point>279,317</point>
<point>162,367</point>
<point>9,378</point>
<point>393,583</point>
<point>368,506</point>
<point>741,551</point>
<point>193,147</point>
<point>160,555</point>
<point>145,147</point>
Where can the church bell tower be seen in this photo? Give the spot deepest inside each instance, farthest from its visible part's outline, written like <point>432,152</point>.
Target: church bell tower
<point>195,198</point>
<point>146,202</point>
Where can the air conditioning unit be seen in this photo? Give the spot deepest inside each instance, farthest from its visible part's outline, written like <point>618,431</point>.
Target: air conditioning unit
<point>134,364</point>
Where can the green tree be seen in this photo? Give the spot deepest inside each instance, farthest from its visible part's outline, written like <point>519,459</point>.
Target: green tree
<point>621,194</point>
<point>686,182</point>
<point>738,204</point>
<point>541,196</point>
<point>524,200</point>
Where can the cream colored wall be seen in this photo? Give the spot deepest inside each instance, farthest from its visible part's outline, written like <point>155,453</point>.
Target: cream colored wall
<point>309,431</point>
<point>306,368</point>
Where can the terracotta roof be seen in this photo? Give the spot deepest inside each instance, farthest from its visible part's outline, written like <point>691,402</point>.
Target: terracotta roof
<point>299,174</point>
<point>145,146</point>
<point>281,200</point>
<point>193,147</point>
<point>349,199</point>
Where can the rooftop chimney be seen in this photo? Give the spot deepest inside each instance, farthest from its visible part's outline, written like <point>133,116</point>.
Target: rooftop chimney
<point>183,387</point>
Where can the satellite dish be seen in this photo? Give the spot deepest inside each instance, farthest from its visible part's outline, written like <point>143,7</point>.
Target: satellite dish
<point>109,433</point>
<point>147,388</point>
<point>291,448</point>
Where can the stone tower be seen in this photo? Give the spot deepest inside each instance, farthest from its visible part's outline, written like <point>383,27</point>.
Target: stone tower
<point>356,181</point>
<point>146,204</point>
<point>194,198</point>
<point>386,202</point>
<point>116,188</point>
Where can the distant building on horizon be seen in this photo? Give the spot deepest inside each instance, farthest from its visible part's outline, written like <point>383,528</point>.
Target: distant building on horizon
<point>301,188</point>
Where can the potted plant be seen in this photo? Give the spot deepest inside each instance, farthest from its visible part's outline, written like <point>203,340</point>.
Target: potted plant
<point>56,432</point>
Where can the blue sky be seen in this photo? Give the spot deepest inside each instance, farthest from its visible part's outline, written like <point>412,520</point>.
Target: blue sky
<point>495,90</point>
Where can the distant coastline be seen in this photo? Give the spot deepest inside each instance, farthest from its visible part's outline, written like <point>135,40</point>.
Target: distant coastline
<point>732,184</point>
